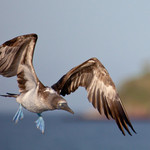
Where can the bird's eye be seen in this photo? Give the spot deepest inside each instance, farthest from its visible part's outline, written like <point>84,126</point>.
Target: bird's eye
<point>59,104</point>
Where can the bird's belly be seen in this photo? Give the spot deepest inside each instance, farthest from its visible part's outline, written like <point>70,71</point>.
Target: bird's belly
<point>32,102</point>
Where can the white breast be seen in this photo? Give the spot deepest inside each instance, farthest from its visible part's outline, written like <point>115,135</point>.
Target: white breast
<point>31,101</point>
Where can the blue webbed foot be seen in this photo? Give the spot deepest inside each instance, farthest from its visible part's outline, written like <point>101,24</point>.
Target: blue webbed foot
<point>40,123</point>
<point>19,114</point>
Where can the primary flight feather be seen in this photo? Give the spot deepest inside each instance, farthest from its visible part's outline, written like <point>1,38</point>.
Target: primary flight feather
<point>16,57</point>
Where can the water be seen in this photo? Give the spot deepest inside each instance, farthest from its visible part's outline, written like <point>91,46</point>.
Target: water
<point>70,133</point>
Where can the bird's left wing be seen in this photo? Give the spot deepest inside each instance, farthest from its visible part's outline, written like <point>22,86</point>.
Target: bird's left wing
<point>16,57</point>
<point>100,88</point>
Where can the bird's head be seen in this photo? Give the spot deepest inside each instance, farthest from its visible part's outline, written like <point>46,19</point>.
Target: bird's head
<point>55,101</point>
<point>62,105</point>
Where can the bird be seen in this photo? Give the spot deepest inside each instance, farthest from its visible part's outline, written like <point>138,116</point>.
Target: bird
<point>16,59</point>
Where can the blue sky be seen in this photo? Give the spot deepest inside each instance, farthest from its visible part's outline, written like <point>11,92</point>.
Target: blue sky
<point>116,32</point>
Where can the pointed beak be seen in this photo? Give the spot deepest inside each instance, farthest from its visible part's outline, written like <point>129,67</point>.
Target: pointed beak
<point>66,108</point>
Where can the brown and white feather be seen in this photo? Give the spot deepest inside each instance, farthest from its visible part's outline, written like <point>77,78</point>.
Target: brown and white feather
<point>16,57</point>
<point>100,89</point>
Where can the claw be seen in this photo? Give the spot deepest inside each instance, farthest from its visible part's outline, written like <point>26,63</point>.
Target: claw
<point>40,123</point>
<point>19,114</point>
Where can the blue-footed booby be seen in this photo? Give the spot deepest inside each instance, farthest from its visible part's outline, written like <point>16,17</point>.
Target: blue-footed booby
<point>16,57</point>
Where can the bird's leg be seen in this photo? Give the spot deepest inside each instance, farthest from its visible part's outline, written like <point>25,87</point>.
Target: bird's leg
<point>40,123</point>
<point>19,114</point>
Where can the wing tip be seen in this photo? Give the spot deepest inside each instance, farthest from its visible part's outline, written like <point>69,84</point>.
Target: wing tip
<point>12,41</point>
<point>32,35</point>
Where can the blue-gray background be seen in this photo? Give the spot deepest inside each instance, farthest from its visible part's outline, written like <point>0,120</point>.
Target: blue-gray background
<point>71,31</point>
<point>116,32</point>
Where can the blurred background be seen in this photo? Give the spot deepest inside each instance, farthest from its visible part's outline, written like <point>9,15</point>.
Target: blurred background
<point>70,32</point>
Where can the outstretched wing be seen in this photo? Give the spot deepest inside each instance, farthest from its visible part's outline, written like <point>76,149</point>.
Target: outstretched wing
<point>16,59</point>
<point>100,88</point>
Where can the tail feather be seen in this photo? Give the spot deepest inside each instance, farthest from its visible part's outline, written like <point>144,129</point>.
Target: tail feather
<point>10,95</point>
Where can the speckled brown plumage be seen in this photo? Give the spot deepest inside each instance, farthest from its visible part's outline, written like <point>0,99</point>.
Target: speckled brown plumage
<point>16,57</point>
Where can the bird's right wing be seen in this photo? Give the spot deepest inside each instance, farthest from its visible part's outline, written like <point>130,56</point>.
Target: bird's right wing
<point>101,90</point>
